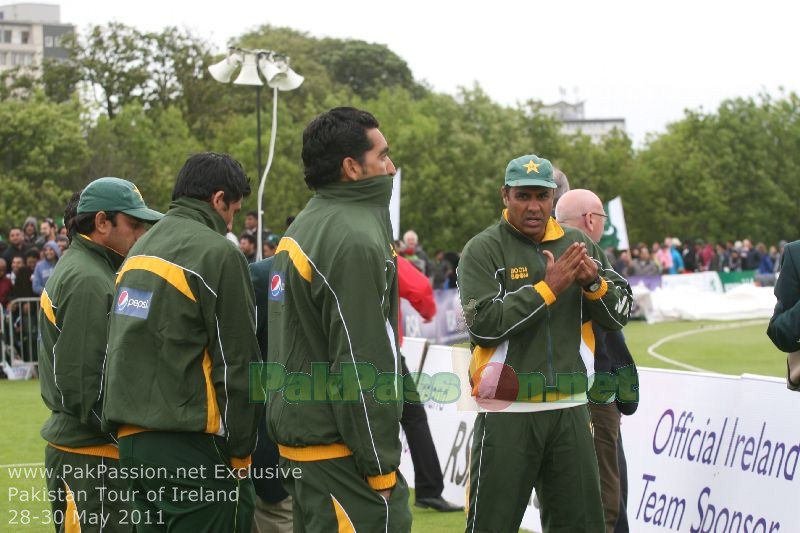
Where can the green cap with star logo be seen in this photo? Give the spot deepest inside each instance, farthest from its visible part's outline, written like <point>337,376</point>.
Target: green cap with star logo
<point>530,171</point>
<point>115,194</point>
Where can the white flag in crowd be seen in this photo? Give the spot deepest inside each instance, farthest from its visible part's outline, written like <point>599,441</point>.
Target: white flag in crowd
<point>615,234</point>
<point>394,207</point>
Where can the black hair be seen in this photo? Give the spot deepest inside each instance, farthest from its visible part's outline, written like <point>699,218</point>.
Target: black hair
<point>32,252</point>
<point>84,222</point>
<point>248,237</point>
<point>289,220</point>
<point>330,138</point>
<point>71,211</point>
<point>252,214</point>
<point>206,173</point>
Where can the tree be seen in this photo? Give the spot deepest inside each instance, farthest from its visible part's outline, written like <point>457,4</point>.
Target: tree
<point>145,148</point>
<point>20,198</point>
<point>114,60</point>
<point>41,140</point>
<point>366,68</point>
<point>725,175</point>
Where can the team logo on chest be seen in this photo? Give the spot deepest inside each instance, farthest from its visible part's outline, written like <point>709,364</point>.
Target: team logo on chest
<point>519,272</point>
<point>277,286</point>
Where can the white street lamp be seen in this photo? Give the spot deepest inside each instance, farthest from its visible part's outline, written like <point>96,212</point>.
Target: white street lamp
<point>274,67</point>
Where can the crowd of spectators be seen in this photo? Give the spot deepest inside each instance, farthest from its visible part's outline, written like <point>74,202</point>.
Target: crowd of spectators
<point>28,257</point>
<point>674,257</point>
<point>248,240</point>
<point>440,270</point>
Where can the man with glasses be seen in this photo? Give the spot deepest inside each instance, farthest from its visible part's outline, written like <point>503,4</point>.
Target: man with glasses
<point>582,209</point>
<point>523,283</point>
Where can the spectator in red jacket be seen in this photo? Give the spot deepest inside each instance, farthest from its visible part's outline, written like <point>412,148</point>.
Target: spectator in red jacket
<point>428,479</point>
<point>416,288</point>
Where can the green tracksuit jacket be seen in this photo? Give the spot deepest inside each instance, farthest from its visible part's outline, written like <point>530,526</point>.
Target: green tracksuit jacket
<point>513,317</point>
<point>784,326</point>
<point>73,321</point>
<point>334,301</point>
<point>182,333</point>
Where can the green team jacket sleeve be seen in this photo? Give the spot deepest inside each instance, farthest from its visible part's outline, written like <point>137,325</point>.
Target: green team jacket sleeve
<point>491,314</point>
<point>610,305</point>
<point>360,309</point>
<point>79,351</point>
<point>784,326</point>
<point>231,353</point>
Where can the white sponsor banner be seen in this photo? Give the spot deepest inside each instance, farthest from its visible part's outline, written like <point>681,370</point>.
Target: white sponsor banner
<point>412,349</point>
<point>703,281</point>
<point>394,206</point>
<point>712,453</point>
<point>705,452</point>
<point>690,303</point>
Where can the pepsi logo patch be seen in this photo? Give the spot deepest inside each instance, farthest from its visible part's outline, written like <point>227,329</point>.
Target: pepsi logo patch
<point>277,286</point>
<point>133,302</point>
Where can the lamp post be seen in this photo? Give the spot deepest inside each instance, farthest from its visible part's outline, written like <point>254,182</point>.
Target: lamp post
<point>274,66</point>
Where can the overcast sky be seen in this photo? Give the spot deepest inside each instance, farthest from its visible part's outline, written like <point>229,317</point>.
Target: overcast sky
<point>644,61</point>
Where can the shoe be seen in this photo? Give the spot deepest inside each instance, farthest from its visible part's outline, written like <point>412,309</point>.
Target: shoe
<point>438,504</point>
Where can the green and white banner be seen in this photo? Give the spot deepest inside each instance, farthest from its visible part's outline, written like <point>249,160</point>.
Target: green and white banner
<point>615,234</point>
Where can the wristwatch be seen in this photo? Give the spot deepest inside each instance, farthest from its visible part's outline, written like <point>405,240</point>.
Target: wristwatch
<point>594,285</point>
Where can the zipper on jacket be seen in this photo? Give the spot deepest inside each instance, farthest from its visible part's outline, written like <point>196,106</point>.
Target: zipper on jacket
<point>550,378</point>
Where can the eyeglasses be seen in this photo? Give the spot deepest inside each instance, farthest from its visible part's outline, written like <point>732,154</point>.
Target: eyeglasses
<point>595,214</point>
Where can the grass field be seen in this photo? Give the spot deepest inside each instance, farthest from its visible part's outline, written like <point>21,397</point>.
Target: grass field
<point>736,350</point>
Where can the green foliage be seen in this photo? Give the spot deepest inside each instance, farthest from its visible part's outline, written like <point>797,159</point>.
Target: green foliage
<point>731,173</point>
<point>365,67</point>
<point>41,140</point>
<point>145,148</point>
<point>114,60</point>
<point>724,175</point>
<point>20,198</point>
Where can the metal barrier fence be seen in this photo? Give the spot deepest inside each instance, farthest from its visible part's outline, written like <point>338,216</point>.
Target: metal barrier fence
<point>20,330</point>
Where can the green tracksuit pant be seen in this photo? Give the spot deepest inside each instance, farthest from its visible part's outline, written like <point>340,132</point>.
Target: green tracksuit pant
<point>551,451</point>
<point>86,490</point>
<point>184,483</point>
<point>330,495</point>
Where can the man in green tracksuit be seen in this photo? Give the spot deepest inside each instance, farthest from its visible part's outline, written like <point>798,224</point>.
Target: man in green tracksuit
<point>333,305</point>
<point>522,283</point>
<point>73,318</point>
<point>784,326</point>
<point>181,339</point>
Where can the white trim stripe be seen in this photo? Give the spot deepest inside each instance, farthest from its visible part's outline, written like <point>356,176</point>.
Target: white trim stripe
<point>178,266</point>
<point>224,424</point>
<point>474,508</point>
<point>352,354</point>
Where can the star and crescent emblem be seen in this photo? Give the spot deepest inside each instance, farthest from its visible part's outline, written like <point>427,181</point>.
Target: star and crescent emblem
<point>136,190</point>
<point>532,167</point>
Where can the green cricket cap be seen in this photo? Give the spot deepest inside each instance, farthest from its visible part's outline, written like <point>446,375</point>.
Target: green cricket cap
<point>530,171</point>
<point>115,194</point>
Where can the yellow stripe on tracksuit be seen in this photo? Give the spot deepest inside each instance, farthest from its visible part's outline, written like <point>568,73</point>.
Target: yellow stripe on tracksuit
<point>72,523</point>
<point>299,259</point>
<point>176,276</point>
<point>170,272</point>
<point>46,305</point>
<point>345,524</point>
<point>587,347</point>
<point>483,356</point>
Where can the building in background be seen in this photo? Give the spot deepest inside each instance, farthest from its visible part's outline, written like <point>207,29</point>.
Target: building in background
<point>31,33</point>
<point>573,120</point>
